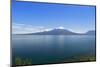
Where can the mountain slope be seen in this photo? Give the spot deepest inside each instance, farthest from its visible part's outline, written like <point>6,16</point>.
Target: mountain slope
<point>60,32</point>
<point>92,32</point>
<point>55,32</point>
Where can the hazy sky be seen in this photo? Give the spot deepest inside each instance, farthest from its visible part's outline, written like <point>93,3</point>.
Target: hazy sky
<point>28,17</point>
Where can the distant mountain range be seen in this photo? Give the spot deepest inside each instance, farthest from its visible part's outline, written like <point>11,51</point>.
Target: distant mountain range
<point>61,32</point>
<point>90,32</point>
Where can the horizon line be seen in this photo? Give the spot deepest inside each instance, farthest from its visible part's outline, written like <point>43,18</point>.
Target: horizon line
<point>54,29</point>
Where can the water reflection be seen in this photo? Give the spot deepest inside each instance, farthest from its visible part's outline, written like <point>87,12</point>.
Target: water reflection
<point>47,48</point>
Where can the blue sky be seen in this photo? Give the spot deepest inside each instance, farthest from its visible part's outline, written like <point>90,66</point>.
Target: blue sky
<point>28,17</point>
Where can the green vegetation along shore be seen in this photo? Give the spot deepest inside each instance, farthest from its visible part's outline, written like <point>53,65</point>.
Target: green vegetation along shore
<point>19,61</point>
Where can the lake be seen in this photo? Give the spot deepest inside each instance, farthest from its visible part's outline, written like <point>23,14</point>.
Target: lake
<point>45,49</point>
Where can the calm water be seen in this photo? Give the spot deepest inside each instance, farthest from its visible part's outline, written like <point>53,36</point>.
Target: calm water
<point>52,48</point>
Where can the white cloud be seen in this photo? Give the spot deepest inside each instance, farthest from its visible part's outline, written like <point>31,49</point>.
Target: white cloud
<point>48,29</point>
<point>24,28</point>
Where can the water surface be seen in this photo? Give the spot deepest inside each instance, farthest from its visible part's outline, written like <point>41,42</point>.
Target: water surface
<point>52,48</point>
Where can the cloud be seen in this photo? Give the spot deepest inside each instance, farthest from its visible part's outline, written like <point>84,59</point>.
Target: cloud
<point>25,28</point>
